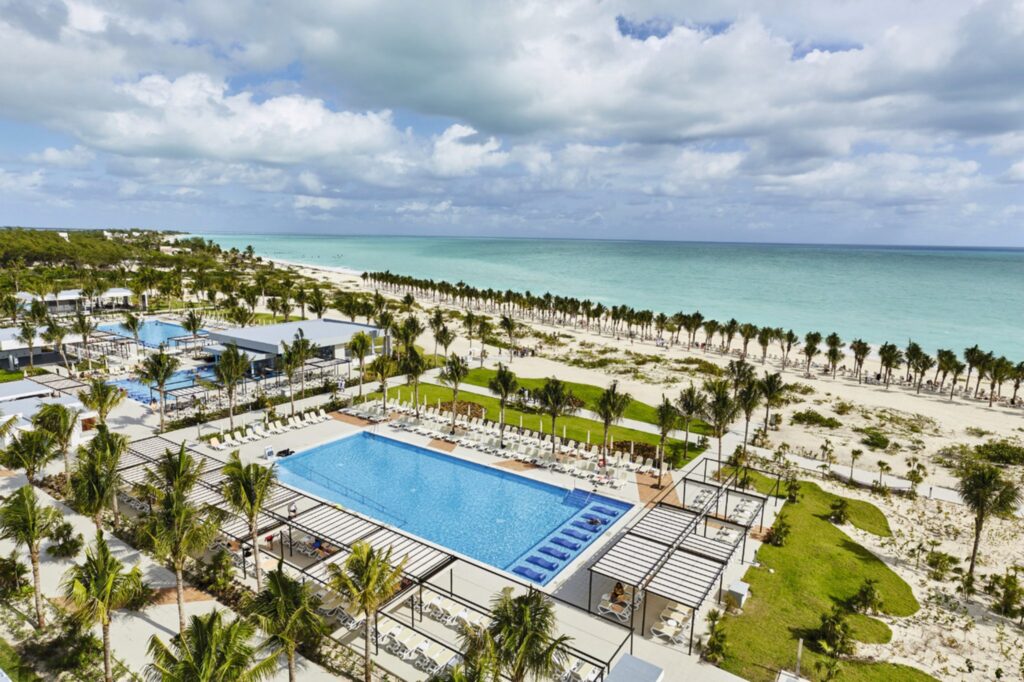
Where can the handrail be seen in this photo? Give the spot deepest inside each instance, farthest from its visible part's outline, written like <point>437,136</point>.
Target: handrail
<point>308,473</point>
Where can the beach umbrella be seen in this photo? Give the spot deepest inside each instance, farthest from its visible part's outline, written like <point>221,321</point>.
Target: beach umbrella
<point>520,421</point>
<point>563,431</point>
<point>588,437</point>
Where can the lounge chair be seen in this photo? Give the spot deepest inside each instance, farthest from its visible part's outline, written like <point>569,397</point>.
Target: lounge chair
<point>528,572</point>
<point>215,444</point>
<point>671,633</point>
<point>620,612</point>
<point>585,672</point>
<point>555,552</point>
<point>401,642</point>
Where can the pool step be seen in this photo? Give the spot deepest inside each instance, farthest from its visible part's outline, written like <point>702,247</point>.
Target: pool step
<point>562,546</point>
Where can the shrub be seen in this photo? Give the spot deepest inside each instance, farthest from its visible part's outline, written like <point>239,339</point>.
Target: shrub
<point>714,650</point>
<point>873,438</point>
<point>1003,451</point>
<point>840,511</point>
<point>835,632</point>
<point>811,417</point>
<point>867,599</point>
<point>13,578</point>
<point>940,564</point>
<point>842,407</point>
<point>66,543</point>
<point>778,533</point>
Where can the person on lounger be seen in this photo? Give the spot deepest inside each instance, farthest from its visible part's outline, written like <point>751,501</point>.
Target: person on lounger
<point>619,595</point>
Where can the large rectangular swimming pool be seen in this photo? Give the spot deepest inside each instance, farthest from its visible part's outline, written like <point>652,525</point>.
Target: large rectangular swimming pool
<point>153,333</point>
<point>509,521</point>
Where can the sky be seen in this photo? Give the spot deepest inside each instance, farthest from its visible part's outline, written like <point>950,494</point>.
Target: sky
<point>838,121</point>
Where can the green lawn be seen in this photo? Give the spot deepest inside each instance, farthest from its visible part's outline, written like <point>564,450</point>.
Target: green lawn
<point>575,427</point>
<point>818,566</point>
<point>7,375</point>
<point>588,393</point>
<point>11,664</point>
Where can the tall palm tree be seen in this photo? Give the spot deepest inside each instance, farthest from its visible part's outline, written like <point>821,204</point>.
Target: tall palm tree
<point>834,354</point>
<point>811,348</point>
<point>97,588</point>
<point>973,357</point>
<point>611,406</point>
<point>789,341</point>
<point>61,422</point>
<point>28,331</point>
<point>230,371</point>
<point>54,335</point>
<point>986,492</point>
<point>413,366</point>
<point>999,371</point>
<point>772,388</point>
<point>956,370</point>
<point>133,325</point>
<point>667,417</point>
<point>504,385</point>
<point>452,375</point>
<point>436,324</point>
<point>305,351</point>
<point>247,487</point>
<point>860,349</point>
<point>94,479</point>
<point>210,649</point>
<point>318,302</point>
<point>26,522</point>
<point>84,327</point>
<point>157,369</point>
<point>445,337</point>
<point>521,637</point>
<point>31,451</point>
<point>359,345</point>
<point>508,326</point>
<point>382,367</point>
<point>720,410</point>
<point>890,357</point>
<point>748,399</point>
<point>369,578</point>
<point>286,610</point>
<point>178,528</point>
<point>691,405</point>
<point>292,362</point>
<point>193,323</point>
<point>556,400</point>
<point>101,397</point>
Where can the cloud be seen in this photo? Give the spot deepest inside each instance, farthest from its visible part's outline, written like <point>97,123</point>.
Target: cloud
<point>75,157</point>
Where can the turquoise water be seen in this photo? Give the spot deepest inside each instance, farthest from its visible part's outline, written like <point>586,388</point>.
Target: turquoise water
<point>140,391</point>
<point>939,297</point>
<point>497,517</point>
<point>153,333</point>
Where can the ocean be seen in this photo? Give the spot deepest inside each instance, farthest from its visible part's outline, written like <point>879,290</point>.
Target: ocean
<point>939,297</point>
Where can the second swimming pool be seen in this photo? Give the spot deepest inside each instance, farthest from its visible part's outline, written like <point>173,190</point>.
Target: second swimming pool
<point>529,528</point>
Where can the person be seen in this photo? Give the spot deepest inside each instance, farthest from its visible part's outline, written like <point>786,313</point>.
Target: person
<point>270,541</point>
<point>619,594</point>
<point>293,510</point>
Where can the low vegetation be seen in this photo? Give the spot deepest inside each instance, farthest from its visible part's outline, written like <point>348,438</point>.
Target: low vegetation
<point>811,417</point>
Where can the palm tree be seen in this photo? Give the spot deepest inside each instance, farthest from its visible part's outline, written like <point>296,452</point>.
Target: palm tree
<point>305,350</point>
<point>749,399</point>
<point>61,422</point>
<point>999,371</point>
<point>834,353</point>
<point>860,349</point>
<point>811,348</point>
<point>611,407</point>
<point>178,528</point>
<point>382,367</point>
<point>855,454</point>
<point>27,333</point>
<point>97,588</point>
<point>94,479</point>
<point>973,356</point>
<point>436,324</point>
<point>54,335</point>
<point>508,326</point>
<point>691,405</point>
<point>369,578</point>
<point>556,400</point>
<point>157,370</point>
<point>503,384</point>
<point>318,302</point>
<point>452,374</point>
<point>286,610</point>
<point>26,522</point>
<point>890,357</point>
<point>210,650</point>
<point>986,492</point>
<point>193,324</point>
<point>31,451</point>
<point>84,327</point>
<point>666,418</point>
<point>230,371</point>
<point>247,487</point>
<point>133,324</point>
<point>469,323</point>
<point>359,345</point>
<point>445,337</point>
<point>483,330</point>
<point>101,398</point>
<point>292,362</point>
<point>956,369</point>
<point>520,639</point>
<point>413,366</point>
<point>772,388</point>
<point>720,410</point>
<point>789,340</point>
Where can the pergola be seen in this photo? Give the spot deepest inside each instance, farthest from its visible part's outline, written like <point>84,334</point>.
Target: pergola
<point>58,383</point>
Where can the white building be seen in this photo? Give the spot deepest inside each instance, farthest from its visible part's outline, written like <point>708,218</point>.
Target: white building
<point>23,400</point>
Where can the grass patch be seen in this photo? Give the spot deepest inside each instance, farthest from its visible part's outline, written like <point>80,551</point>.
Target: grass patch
<point>575,427</point>
<point>818,567</point>
<point>810,417</point>
<point>588,393</point>
<point>11,663</point>
<point>7,375</point>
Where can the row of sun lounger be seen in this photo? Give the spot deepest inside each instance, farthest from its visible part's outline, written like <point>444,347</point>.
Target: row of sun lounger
<point>417,649</point>
<point>257,432</point>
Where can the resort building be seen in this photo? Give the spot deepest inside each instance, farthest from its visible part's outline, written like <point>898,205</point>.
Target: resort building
<point>264,344</point>
<point>72,300</point>
<point>23,400</point>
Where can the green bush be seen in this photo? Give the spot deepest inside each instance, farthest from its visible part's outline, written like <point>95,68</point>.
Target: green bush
<point>66,542</point>
<point>873,438</point>
<point>1003,451</point>
<point>810,417</point>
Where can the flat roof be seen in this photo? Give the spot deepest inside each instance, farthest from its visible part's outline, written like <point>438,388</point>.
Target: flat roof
<point>23,388</point>
<point>268,338</point>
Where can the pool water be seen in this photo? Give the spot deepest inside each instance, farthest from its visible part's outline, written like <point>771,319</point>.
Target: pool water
<point>153,334</point>
<point>140,391</point>
<point>529,528</point>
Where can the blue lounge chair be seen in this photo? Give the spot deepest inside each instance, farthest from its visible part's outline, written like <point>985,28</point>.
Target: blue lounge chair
<point>568,544</point>
<point>591,517</point>
<point>585,526</point>
<point>542,562</point>
<point>606,511</point>
<point>530,573</point>
<point>552,551</point>
<point>575,534</point>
